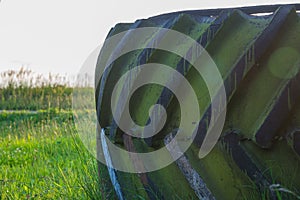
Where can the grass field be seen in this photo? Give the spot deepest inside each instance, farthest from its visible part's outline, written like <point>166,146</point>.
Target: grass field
<point>41,155</point>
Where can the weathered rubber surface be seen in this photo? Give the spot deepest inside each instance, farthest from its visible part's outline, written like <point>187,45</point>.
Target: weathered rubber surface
<point>259,60</point>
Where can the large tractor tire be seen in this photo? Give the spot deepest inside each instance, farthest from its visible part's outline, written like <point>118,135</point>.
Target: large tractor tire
<point>257,52</point>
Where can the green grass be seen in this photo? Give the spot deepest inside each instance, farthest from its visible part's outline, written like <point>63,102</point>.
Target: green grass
<point>26,90</point>
<point>41,157</point>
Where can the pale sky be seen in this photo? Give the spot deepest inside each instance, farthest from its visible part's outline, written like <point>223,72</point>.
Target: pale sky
<point>58,35</point>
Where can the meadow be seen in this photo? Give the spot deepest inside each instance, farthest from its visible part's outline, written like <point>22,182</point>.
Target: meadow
<point>41,155</point>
